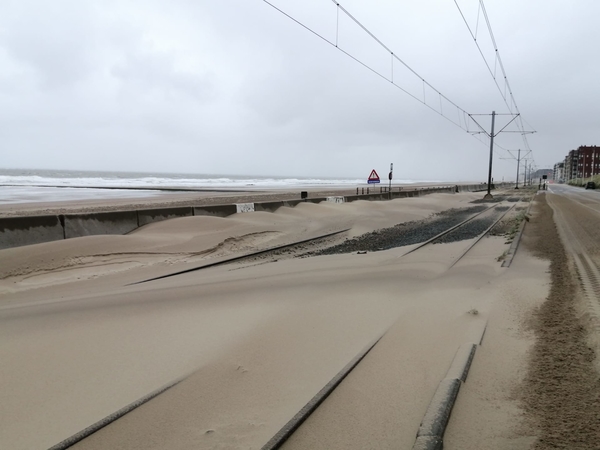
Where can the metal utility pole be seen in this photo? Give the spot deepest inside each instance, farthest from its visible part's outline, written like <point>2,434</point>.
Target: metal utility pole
<point>492,135</point>
<point>489,186</point>
<point>525,175</point>
<point>518,162</point>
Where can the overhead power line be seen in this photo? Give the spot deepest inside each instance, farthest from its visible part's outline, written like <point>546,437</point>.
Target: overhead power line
<point>509,99</point>
<point>452,112</point>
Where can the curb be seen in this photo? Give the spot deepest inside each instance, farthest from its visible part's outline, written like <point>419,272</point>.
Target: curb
<point>512,251</point>
<point>431,431</point>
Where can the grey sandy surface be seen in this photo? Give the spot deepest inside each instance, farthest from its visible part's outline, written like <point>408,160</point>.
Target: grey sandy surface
<point>258,338</point>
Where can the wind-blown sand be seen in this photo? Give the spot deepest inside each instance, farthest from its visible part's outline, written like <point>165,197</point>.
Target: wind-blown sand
<point>78,341</point>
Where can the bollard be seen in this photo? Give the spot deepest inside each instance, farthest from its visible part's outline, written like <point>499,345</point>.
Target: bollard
<point>367,191</point>
<point>356,191</point>
<point>363,191</point>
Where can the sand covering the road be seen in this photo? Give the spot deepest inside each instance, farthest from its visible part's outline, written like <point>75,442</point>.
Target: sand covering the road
<point>562,387</point>
<point>259,339</point>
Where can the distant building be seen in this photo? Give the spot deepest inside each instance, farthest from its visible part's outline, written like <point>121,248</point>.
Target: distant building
<point>581,163</point>
<point>559,172</point>
<point>588,161</point>
<point>541,172</point>
<point>571,165</point>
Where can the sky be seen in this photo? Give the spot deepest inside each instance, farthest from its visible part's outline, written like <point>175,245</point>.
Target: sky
<point>237,87</point>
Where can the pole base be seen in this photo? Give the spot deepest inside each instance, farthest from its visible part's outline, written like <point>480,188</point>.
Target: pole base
<point>488,197</point>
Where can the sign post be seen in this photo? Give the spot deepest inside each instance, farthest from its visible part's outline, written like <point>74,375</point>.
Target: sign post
<point>373,178</point>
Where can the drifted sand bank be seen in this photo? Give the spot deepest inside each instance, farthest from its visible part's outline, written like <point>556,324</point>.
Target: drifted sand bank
<point>257,338</point>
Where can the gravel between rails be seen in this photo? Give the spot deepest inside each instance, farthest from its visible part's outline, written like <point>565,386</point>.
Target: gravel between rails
<point>496,199</point>
<point>406,233</point>
<point>298,250</point>
<point>469,230</point>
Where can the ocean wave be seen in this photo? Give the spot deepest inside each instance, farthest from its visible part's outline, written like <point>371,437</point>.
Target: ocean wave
<point>164,182</point>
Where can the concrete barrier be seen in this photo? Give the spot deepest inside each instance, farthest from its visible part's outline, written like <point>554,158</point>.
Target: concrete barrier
<point>268,206</point>
<point>394,194</point>
<point>472,188</point>
<point>215,210</point>
<point>292,203</point>
<point>244,207</point>
<point>116,222</point>
<point>351,198</point>
<point>27,230</point>
<point>18,231</point>
<point>146,216</point>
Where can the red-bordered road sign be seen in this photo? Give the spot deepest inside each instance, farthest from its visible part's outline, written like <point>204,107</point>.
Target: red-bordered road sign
<point>373,178</point>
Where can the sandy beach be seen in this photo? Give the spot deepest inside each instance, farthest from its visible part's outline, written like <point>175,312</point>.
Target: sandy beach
<point>256,339</point>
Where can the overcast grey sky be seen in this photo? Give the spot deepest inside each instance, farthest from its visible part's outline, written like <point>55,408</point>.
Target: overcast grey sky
<point>237,88</point>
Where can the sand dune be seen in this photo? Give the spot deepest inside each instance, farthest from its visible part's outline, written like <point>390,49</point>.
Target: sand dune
<point>258,339</point>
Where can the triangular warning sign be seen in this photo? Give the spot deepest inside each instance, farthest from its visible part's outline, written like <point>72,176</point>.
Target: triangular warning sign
<point>373,178</point>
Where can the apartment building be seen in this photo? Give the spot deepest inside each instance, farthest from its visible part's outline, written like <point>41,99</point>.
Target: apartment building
<point>559,172</point>
<point>588,161</point>
<point>581,163</point>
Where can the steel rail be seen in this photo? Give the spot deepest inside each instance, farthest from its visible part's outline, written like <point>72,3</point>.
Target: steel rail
<point>295,422</point>
<point>238,258</point>
<point>443,233</point>
<point>481,236</point>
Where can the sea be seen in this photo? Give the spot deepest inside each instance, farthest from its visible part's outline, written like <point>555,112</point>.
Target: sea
<point>28,185</point>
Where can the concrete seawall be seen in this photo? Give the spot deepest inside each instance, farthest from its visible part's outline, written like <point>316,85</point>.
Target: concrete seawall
<point>18,231</point>
<point>146,216</point>
<point>471,188</point>
<point>117,222</point>
<point>216,210</point>
<point>27,230</point>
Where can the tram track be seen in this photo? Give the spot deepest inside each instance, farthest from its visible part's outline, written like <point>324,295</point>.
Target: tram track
<point>296,421</point>
<point>265,253</point>
<point>288,429</point>
<point>310,241</point>
<point>245,256</point>
<point>449,230</point>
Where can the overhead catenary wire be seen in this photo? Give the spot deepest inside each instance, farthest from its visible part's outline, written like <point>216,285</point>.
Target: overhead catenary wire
<point>463,124</point>
<point>509,99</point>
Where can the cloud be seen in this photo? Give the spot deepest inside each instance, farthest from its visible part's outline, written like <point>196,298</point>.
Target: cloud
<point>237,87</point>
<point>55,39</point>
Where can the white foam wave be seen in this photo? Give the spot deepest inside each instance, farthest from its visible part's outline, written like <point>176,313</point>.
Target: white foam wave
<point>158,182</point>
